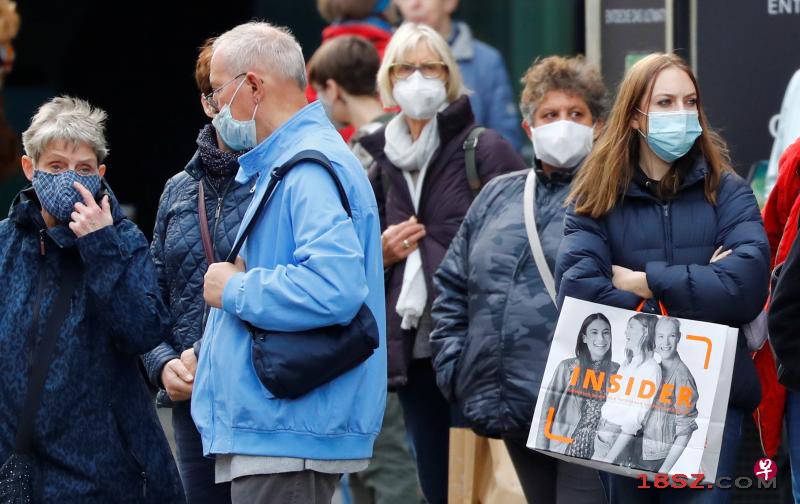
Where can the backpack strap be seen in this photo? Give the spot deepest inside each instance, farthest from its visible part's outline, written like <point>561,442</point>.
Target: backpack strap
<point>471,165</point>
<point>306,156</point>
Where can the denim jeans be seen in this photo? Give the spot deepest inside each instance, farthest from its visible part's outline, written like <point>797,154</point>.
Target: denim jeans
<point>197,471</point>
<point>623,490</point>
<point>427,416</point>
<point>547,480</point>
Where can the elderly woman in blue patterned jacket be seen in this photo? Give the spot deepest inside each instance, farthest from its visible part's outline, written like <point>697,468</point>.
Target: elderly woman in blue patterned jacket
<point>96,437</point>
<point>494,317</point>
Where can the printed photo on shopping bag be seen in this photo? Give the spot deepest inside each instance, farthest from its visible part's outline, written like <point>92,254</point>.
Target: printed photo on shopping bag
<point>631,389</point>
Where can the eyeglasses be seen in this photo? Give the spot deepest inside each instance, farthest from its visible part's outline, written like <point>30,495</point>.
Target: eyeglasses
<point>209,98</point>
<point>57,168</point>
<point>428,69</point>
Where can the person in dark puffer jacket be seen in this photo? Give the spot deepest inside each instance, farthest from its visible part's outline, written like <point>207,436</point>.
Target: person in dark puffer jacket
<point>96,437</point>
<point>657,214</point>
<point>180,260</point>
<point>494,318</point>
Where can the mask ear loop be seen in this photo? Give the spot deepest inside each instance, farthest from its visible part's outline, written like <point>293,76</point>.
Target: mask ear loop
<point>639,130</point>
<point>234,95</point>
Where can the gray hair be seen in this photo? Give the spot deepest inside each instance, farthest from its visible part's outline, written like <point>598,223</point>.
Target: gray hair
<point>69,119</point>
<point>261,46</point>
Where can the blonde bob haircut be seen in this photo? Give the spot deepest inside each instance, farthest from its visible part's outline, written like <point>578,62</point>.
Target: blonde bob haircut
<point>407,38</point>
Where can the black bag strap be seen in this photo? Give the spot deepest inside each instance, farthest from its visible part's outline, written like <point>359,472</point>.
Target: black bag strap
<point>470,163</point>
<point>276,175</point>
<point>43,356</point>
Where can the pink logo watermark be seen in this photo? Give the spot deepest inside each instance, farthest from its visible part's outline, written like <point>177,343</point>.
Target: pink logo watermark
<point>765,469</point>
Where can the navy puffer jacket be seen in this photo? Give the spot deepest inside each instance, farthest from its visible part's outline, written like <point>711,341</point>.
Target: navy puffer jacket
<point>96,438</point>
<point>493,317</point>
<point>179,255</point>
<point>673,242</point>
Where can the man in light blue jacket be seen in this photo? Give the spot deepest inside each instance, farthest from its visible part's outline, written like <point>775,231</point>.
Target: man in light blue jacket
<point>306,264</point>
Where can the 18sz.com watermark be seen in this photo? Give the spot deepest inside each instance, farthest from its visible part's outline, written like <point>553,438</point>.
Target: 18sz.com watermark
<point>765,471</point>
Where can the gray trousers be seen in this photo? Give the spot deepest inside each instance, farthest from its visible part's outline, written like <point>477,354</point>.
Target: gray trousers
<point>303,487</point>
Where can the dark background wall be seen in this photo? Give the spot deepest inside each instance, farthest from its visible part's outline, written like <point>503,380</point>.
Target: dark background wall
<point>136,60</point>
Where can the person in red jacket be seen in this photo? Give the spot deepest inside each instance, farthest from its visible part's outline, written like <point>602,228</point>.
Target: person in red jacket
<point>781,214</point>
<point>370,19</point>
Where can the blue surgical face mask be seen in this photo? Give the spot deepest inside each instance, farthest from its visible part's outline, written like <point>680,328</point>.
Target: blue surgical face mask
<point>671,134</point>
<point>238,135</point>
<point>56,193</point>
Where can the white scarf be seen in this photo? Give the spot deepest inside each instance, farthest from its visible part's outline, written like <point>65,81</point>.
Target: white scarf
<point>411,156</point>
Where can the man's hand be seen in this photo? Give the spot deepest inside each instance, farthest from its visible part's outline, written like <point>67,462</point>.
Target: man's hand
<point>631,281</point>
<point>177,380</point>
<point>88,217</point>
<point>400,240</point>
<point>217,277</point>
<point>189,360</point>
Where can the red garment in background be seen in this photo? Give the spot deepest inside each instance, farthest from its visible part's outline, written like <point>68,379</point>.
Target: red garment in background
<point>378,36</point>
<point>780,215</point>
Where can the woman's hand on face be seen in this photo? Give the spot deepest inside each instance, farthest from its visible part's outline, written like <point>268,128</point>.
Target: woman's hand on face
<point>88,216</point>
<point>400,240</point>
<point>631,281</point>
<point>719,254</point>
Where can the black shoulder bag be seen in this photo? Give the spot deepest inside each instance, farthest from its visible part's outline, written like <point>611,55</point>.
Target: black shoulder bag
<point>16,474</point>
<point>291,364</point>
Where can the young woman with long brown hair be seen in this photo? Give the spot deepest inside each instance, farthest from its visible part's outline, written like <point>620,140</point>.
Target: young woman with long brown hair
<point>656,213</point>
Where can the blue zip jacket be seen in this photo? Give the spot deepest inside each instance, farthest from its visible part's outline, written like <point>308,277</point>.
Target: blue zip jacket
<point>308,265</point>
<point>673,242</point>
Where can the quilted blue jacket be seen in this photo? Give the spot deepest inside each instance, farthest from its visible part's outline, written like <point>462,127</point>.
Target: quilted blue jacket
<point>97,438</point>
<point>179,257</point>
<point>673,242</point>
<point>493,317</point>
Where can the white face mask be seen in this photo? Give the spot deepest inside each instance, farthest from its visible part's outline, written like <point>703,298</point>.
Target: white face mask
<point>562,144</point>
<point>418,97</point>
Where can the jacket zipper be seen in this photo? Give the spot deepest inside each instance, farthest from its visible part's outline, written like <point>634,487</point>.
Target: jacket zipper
<point>501,347</point>
<point>217,213</point>
<point>41,242</point>
<point>667,233</point>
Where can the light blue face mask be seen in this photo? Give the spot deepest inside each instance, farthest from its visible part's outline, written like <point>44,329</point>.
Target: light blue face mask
<point>671,134</point>
<point>238,135</point>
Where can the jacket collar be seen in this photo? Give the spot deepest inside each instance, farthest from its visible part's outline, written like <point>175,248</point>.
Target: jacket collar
<point>461,42</point>
<point>275,147</point>
<point>559,176</point>
<point>195,167</point>
<point>26,212</point>
<point>693,166</point>
<point>452,121</point>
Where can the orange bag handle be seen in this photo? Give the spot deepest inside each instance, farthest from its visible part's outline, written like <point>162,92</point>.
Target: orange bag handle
<point>660,305</point>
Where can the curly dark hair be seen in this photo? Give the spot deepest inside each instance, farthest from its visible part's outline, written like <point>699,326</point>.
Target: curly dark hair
<point>572,75</point>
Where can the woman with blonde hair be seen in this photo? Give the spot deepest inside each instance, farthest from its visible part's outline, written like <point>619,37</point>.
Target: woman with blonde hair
<point>657,214</point>
<point>423,188</point>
